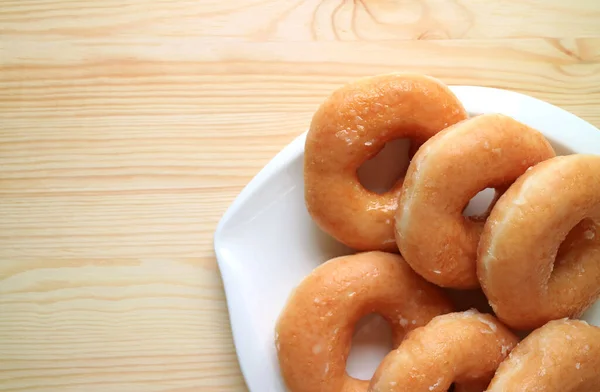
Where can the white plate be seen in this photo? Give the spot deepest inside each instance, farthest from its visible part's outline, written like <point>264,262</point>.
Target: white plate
<point>266,242</point>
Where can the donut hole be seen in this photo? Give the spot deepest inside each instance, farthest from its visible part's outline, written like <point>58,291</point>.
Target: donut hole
<point>584,235</point>
<point>479,206</point>
<point>371,342</point>
<point>380,173</point>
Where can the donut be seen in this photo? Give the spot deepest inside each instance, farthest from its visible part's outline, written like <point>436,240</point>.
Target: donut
<point>539,254</point>
<point>314,331</point>
<point>351,127</point>
<point>561,356</point>
<point>487,151</point>
<point>462,348</point>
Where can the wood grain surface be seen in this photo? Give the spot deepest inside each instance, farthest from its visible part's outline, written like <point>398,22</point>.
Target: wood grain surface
<point>128,127</point>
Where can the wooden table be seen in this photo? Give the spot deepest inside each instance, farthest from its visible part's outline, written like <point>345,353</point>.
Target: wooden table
<point>127,128</point>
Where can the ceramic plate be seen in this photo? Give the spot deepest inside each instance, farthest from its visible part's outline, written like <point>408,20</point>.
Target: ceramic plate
<point>266,242</point>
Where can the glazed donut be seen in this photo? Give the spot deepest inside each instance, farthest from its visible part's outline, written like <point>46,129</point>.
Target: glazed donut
<point>314,331</point>
<point>487,151</point>
<point>462,348</point>
<point>352,126</point>
<point>561,356</point>
<point>528,276</point>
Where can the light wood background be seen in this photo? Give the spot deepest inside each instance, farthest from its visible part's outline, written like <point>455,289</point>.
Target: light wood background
<point>128,127</point>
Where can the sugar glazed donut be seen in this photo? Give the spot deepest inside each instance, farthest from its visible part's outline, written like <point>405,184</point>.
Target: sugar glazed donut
<point>539,255</point>
<point>561,356</point>
<point>487,151</point>
<point>352,126</point>
<point>314,331</point>
<point>462,348</point>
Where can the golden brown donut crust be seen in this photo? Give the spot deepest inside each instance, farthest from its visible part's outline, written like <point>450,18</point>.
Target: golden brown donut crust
<point>487,151</point>
<point>527,275</point>
<point>464,348</point>
<point>352,126</point>
<point>561,356</point>
<point>314,331</point>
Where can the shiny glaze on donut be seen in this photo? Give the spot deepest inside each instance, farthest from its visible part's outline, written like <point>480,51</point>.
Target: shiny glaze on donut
<point>487,151</point>
<point>314,331</point>
<point>352,126</point>
<point>539,255</point>
<point>462,348</point>
<point>561,356</point>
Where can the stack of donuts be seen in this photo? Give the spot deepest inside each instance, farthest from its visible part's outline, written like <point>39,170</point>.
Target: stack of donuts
<point>535,252</point>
